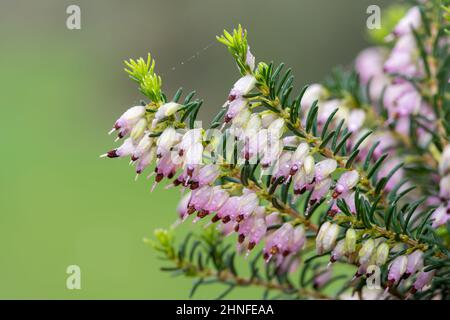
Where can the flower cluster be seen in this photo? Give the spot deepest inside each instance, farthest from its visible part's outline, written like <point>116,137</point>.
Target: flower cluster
<point>281,172</point>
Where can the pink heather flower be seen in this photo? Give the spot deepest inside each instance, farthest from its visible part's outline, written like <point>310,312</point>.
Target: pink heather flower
<point>166,141</point>
<point>298,240</point>
<point>126,149</point>
<point>415,263</point>
<point>272,152</point>
<point>298,157</point>
<point>241,119</point>
<point>250,59</point>
<point>338,251</point>
<point>242,87</point>
<point>226,228</point>
<point>369,63</point>
<point>182,208</point>
<point>440,216</point>
<point>401,100</point>
<point>320,190</point>
<point>396,270</point>
<point>282,167</point>
<point>350,201</point>
<point>145,160</point>
<point>193,156</point>
<point>326,109</point>
<point>207,175</point>
<point>273,219</point>
<point>254,227</point>
<point>247,204</point>
<point>304,177</point>
<point>312,93</point>
<point>277,243</point>
<point>190,138</point>
<point>356,119</point>
<point>235,107</point>
<point>324,168</point>
<point>444,187</point>
<point>218,198</point>
<point>229,210</point>
<point>322,278</point>
<point>444,163</point>
<point>377,86</point>
<point>386,169</point>
<point>164,168</point>
<point>129,118</point>
<point>199,198</point>
<point>347,181</point>
<point>412,20</point>
<point>423,279</point>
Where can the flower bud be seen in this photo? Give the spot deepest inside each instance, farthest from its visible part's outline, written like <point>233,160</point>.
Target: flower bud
<point>382,254</point>
<point>166,110</point>
<point>308,166</point>
<point>366,251</point>
<point>330,236</point>
<point>276,128</point>
<point>320,235</point>
<point>138,130</point>
<point>350,241</point>
<point>143,146</point>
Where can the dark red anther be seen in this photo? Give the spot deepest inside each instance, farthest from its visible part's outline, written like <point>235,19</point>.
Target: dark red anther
<point>159,177</point>
<point>251,245</point>
<point>203,213</point>
<point>335,194</point>
<point>194,185</point>
<point>112,154</point>
<point>215,218</point>
<point>226,219</point>
<point>190,209</point>
<point>241,238</point>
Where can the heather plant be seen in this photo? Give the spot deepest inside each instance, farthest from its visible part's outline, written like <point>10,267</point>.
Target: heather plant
<point>354,171</point>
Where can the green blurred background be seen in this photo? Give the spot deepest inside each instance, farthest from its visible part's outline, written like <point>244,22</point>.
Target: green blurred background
<point>60,92</point>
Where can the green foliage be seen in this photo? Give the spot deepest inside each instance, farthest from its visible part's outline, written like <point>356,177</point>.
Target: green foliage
<point>142,71</point>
